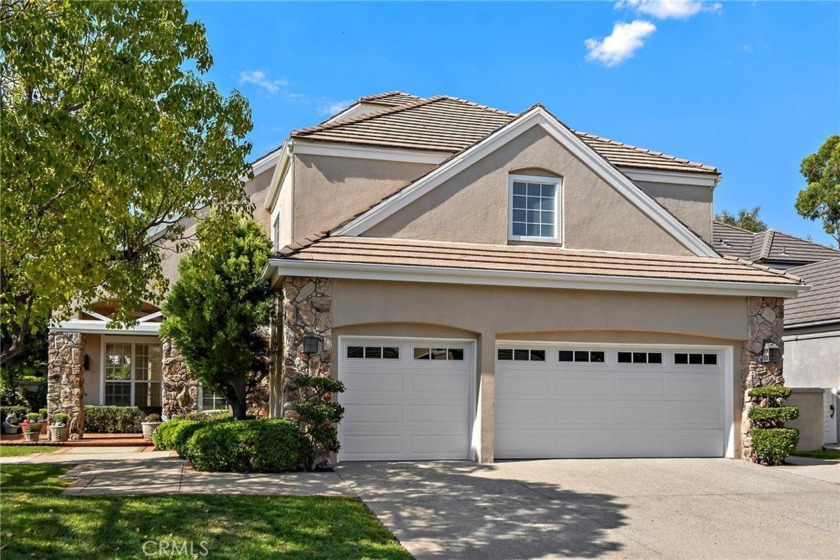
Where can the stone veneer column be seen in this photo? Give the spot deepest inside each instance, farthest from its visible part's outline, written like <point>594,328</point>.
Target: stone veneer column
<point>307,308</point>
<point>766,322</point>
<point>179,393</point>
<point>65,379</point>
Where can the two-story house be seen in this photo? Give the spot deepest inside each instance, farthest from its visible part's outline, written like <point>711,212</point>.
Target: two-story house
<point>496,285</point>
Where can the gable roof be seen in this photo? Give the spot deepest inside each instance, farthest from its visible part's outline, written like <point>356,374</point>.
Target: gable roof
<point>450,124</point>
<point>768,246</point>
<point>541,266</point>
<point>822,303</point>
<point>536,116</point>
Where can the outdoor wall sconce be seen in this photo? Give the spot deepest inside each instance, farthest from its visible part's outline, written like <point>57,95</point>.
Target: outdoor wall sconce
<point>312,343</point>
<point>770,354</point>
<point>86,363</point>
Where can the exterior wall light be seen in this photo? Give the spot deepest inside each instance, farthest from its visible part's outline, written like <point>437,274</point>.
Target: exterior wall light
<point>770,354</point>
<point>312,343</point>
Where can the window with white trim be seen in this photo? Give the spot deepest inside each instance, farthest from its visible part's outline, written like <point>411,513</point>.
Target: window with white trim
<point>132,374</point>
<point>535,208</point>
<point>211,400</point>
<point>275,231</point>
<point>520,355</point>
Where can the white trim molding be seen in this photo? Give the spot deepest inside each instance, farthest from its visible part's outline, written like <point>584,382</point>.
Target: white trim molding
<point>267,162</point>
<point>334,149</point>
<point>672,177</point>
<point>283,165</point>
<point>557,208</point>
<point>90,326</point>
<point>536,116</point>
<point>401,273</point>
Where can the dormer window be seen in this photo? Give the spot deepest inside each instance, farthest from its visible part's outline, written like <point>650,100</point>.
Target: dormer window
<point>535,208</point>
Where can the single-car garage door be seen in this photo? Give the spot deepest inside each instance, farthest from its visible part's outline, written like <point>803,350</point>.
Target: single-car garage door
<point>405,399</point>
<point>590,401</point>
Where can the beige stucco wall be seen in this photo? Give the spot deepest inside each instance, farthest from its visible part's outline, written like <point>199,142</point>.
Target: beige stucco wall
<point>811,421</point>
<point>691,204</point>
<point>283,207</point>
<point>473,206</point>
<point>813,362</point>
<point>488,313</point>
<point>328,190</point>
<point>93,375</point>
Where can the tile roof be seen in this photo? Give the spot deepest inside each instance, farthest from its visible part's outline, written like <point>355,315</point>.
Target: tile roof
<point>525,258</point>
<point>450,124</point>
<point>822,302</point>
<point>768,246</point>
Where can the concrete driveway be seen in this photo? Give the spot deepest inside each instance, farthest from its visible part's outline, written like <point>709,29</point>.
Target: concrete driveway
<point>633,508</point>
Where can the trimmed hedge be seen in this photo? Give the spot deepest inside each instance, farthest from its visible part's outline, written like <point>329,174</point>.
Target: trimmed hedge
<point>113,419</point>
<point>18,410</point>
<point>775,444</point>
<point>174,434</point>
<point>245,446</point>
<point>771,416</point>
<point>770,392</point>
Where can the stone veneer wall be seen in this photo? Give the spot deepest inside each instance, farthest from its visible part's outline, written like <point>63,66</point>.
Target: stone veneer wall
<point>179,389</point>
<point>65,379</point>
<point>766,322</point>
<point>307,308</point>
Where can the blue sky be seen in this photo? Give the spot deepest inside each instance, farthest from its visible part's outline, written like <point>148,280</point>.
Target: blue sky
<point>748,87</point>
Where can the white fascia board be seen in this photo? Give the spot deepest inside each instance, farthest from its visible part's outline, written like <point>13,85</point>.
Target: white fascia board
<point>267,162</point>
<point>671,177</point>
<point>537,116</point>
<point>811,324</point>
<point>337,149</point>
<point>395,273</point>
<point>89,326</point>
<point>280,171</point>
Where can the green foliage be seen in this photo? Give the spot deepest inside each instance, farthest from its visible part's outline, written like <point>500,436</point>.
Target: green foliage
<point>746,219</point>
<point>111,138</point>
<point>18,410</point>
<point>27,366</point>
<point>33,417</point>
<point>820,200</point>
<point>61,418</point>
<point>770,392</point>
<point>772,445</point>
<point>772,417</point>
<point>245,446</point>
<point>113,419</point>
<point>218,309</point>
<point>318,415</point>
<point>174,434</point>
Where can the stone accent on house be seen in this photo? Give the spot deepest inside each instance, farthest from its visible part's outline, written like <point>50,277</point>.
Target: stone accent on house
<point>307,308</point>
<point>180,390</point>
<point>257,399</point>
<point>65,379</point>
<point>766,322</point>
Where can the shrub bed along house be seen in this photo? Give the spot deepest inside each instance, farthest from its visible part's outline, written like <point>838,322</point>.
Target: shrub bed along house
<point>113,419</point>
<point>771,441</point>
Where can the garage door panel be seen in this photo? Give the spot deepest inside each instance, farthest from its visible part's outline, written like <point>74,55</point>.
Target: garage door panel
<point>440,413</point>
<point>651,414</point>
<point>582,385</point>
<point>639,443</point>
<point>525,384</point>
<point>584,414</point>
<point>697,386</point>
<point>373,445</point>
<point>374,413</point>
<point>582,443</point>
<point>383,382</point>
<point>444,446</point>
<point>640,385</point>
<point>705,415</point>
<point>696,443</point>
<point>437,384</point>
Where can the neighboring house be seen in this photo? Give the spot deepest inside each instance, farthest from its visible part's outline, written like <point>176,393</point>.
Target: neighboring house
<point>496,285</point>
<point>812,321</point>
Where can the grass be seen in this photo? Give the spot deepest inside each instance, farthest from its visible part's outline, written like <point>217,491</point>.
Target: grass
<point>40,522</point>
<point>20,450</point>
<point>819,454</point>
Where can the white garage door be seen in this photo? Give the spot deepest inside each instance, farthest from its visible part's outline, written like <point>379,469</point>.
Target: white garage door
<point>586,401</point>
<point>405,399</point>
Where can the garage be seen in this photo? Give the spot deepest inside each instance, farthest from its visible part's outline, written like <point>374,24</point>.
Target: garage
<point>588,400</point>
<point>405,399</point>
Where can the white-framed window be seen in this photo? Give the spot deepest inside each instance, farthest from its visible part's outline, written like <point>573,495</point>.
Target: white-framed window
<point>132,374</point>
<point>275,231</point>
<point>210,400</point>
<point>535,208</point>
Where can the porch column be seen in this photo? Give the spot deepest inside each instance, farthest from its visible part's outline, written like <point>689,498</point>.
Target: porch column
<point>179,394</point>
<point>65,379</point>
<point>766,322</point>
<point>486,407</point>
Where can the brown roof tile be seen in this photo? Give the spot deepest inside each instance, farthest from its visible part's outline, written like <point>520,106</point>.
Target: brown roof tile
<point>769,246</point>
<point>822,302</point>
<point>389,98</point>
<point>523,258</point>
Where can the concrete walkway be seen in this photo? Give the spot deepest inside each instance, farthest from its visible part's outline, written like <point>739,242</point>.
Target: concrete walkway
<point>640,508</point>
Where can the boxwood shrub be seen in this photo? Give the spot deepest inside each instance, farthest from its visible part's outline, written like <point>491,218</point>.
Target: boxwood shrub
<point>770,392</point>
<point>775,444</point>
<point>174,434</point>
<point>113,419</point>
<point>772,417</point>
<point>245,446</point>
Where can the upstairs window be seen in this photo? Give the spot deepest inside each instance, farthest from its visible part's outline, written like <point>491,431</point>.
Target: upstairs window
<point>534,208</point>
<point>275,232</point>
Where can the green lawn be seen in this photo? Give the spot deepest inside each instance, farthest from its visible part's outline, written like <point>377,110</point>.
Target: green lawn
<point>39,522</point>
<point>19,450</point>
<point>819,454</point>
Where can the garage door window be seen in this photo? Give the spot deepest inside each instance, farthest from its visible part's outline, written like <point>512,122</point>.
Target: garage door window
<point>373,352</point>
<point>640,357</point>
<point>685,358</point>
<point>446,354</point>
<point>593,356</point>
<point>521,355</point>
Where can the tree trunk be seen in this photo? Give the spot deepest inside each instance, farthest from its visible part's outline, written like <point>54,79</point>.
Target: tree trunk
<point>239,410</point>
<point>238,403</point>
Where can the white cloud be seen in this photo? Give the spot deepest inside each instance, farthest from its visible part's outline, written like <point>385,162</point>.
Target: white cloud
<point>258,78</point>
<point>668,9</point>
<point>332,108</point>
<point>620,45</point>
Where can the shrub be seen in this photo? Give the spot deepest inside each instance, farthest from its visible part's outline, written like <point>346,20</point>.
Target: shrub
<point>113,419</point>
<point>174,434</point>
<point>18,410</point>
<point>770,392</point>
<point>774,417</point>
<point>61,418</point>
<point>33,417</point>
<point>152,418</point>
<point>245,446</point>
<point>318,417</point>
<point>774,444</point>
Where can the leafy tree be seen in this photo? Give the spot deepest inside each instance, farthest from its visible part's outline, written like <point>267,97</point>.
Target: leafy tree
<point>219,309</point>
<point>820,200</point>
<point>109,139</point>
<point>746,219</point>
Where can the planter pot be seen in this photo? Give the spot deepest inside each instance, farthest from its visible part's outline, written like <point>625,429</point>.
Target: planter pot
<point>32,437</point>
<point>44,428</point>
<point>60,433</point>
<point>149,428</point>
<point>9,429</point>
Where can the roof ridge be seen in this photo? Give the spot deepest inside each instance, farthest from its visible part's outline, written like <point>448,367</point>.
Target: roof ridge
<point>391,93</point>
<point>753,233</point>
<point>366,116</point>
<point>775,271</point>
<point>479,105</point>
<point>644,150</point>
